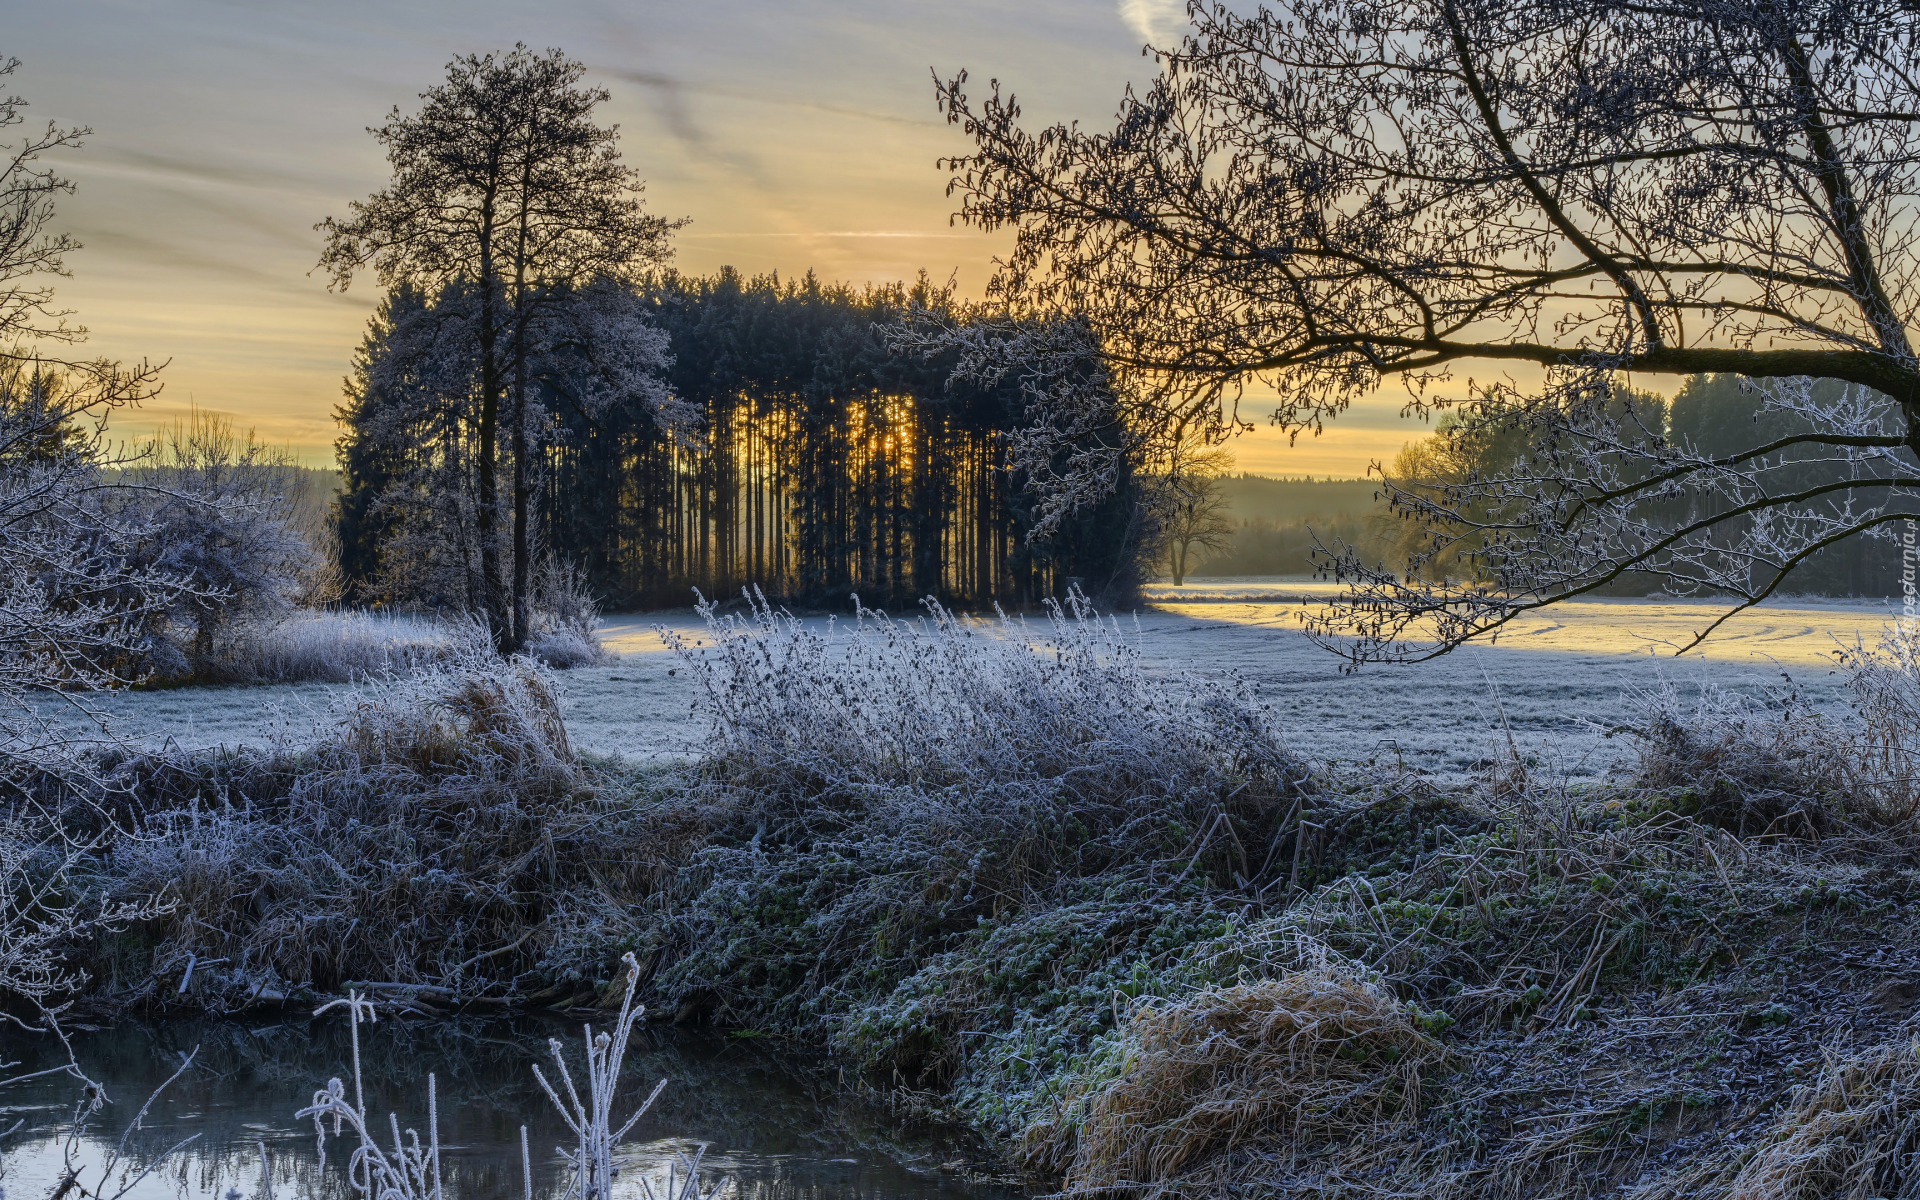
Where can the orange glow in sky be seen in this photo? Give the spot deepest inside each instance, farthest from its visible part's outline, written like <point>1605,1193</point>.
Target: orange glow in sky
<point>797,136</point>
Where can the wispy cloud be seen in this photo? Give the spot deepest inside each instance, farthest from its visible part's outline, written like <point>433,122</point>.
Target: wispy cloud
<point>1154,21</point>
<point>831,233</point>
<point>681,87</point>
<point>670,104</point>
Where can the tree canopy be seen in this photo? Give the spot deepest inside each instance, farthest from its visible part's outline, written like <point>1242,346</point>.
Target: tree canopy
<point>1328,194</point>
<point>506,194</point>
<point>801,454</point>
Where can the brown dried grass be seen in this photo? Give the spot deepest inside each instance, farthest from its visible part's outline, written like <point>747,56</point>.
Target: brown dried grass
<point>1314,1055</point>
<point>1853,1134</point>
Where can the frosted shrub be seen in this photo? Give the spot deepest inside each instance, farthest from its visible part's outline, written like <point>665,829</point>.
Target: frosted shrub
<point>565,619</point>
<point>1776,766</point>
<point>410,845</point>
<point>946,702</point>
<point>216,510</point>
<point>339,647</point>
<point>564,649</point>
<point>879,788</point>
<point>40,920</point>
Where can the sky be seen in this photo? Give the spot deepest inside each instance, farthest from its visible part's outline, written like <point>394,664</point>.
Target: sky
<point>796,134</point>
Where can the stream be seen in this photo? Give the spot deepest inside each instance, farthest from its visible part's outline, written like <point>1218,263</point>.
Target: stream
<point>768,1123</point>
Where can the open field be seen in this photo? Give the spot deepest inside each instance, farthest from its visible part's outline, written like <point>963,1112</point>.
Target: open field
<point>1558,681</point>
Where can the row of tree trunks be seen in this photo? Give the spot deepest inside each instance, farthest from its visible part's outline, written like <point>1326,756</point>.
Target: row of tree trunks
<point>886,497</point>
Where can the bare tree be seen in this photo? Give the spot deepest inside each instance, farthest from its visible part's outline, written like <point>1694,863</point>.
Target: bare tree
<point>1194,511</point>
<point>502,182</point>
<point>31,252</point>
<point>1329,193</point>
<point>75,612</point>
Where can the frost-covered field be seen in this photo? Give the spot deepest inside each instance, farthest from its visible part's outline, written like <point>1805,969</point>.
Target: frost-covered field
<point>1560,681</point>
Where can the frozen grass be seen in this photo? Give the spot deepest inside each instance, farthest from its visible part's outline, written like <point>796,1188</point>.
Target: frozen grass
<point>1106,914</point>
<point>864,817</point>
<point>946,704</point>
<point>1314,1056</point>
<point>1850,1134</point>
<point>566,620</point>
<point>339,647</point>
<point>1774,766</point>
<point>1440,718</point>
<point>566,648</point>
<point>399,848</point>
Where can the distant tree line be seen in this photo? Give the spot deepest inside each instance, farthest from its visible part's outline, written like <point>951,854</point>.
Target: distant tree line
<point>1711,418</point>
<point>796,450</point>
<point>1279,522</point>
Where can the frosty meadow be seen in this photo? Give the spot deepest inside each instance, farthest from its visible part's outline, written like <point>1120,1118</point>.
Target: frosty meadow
<point>1541,823</point>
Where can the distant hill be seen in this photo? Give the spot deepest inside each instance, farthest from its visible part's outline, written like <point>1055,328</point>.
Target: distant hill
<point>1284,501</point>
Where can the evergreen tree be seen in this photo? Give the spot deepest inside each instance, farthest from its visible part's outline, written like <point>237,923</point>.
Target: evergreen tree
<point>507,196</point>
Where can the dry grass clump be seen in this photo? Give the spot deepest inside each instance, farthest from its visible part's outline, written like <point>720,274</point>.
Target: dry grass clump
<point>1753,767</point>
<point>476,718</point>
<point>1318,1055</point>
<point>1854,1134</point>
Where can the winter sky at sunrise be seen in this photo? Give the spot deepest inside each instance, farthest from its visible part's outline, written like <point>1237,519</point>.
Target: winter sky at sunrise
<point>796,134</point>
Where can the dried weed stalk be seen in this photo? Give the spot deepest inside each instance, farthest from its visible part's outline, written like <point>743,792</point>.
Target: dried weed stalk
<point>408,1168</point>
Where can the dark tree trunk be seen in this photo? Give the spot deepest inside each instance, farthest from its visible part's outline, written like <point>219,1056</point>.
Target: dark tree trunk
<point>486,515</point>
<point>522,568</point>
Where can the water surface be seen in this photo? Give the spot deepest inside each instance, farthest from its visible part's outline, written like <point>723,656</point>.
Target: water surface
<point>770,1125</point>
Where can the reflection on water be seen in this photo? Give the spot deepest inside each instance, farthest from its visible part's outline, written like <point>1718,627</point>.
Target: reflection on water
<point>770,1125</point>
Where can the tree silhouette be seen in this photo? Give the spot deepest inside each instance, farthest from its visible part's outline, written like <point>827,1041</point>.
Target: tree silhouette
<point>800,453</point>
<point>1329,193</point>
<point>502,183</point>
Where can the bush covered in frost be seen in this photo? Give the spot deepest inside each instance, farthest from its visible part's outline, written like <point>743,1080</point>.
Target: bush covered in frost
<point>340,647</point>
<point>439,821</point>
<point>879,788</point>
<point>1773,765</point>
<point>1098,913</point>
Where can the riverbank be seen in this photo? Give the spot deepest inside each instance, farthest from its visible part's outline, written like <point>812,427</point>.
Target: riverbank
<point>1109,919</point>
